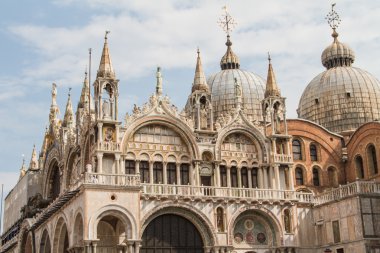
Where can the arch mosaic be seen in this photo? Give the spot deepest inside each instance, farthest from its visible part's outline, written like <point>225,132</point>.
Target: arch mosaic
<point>263,215</point>
<point>200,221</point>
<point>173,125</point>
<point>117,211</point>
<point>256,149</point>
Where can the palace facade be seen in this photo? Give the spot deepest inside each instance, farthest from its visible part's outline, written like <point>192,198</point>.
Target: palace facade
<point>227,174</point>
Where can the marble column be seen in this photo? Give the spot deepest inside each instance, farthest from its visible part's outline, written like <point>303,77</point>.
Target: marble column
<point>151,172</point>
<point>178,173</point>
<point>99,169</point>
<point>260,178</point>
<point>291,177</point>
<point>277,176</point>
<point>217,167</point>
<point>100,132</point>
<point>265,176</point>
<point>137,164</point>
<point>228,167</point>
<point>165,173</point>
<point>271,177</point>
<point>249,177</point>
<point>239,176</point>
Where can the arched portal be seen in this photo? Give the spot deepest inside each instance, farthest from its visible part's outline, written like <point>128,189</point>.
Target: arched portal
<point>169,233</point>
<point>61,237</point>
<point>45,246</point>
<point>111,233</point>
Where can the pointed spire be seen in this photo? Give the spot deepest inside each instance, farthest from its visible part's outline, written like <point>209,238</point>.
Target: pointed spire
<point>33,165</point>
<point>68,120</point>
<point>54,110</point>
<point>200,82</point>
<point>159,82</point>
<point>23,168</point>
<point>83,101</point>
<point>272,89</point>
<point>105,68</point>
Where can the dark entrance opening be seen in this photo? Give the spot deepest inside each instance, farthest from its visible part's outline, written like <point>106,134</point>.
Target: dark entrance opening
<point>170,233</point>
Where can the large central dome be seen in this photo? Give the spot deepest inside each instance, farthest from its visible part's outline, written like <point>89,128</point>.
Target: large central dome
<point>343,97</point>
<point>222,86</point>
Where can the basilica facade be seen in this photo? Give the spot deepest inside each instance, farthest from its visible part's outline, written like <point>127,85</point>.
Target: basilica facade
<point>230,173</point>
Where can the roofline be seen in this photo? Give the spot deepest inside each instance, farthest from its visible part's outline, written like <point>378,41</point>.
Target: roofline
<point>317,125</point>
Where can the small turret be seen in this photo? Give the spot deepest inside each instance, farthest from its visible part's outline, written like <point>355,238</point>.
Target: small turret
<point>105,68</point>
<point>272,89</point>
<point>23,168</point>
<point>200,83</point>
<point>33,165</point>
<point>68,120</point>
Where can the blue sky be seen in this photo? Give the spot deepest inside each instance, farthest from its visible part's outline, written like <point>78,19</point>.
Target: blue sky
<point>47,41</point>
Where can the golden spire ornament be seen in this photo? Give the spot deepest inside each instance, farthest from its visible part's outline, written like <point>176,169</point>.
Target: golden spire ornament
<point>226,21</point>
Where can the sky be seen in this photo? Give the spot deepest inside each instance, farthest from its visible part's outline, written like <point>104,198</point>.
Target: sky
<point>47,41</point>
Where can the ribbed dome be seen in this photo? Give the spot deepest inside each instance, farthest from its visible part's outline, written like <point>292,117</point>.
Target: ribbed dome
<point>229,60</point>
<point>341,98</point>
<point>222,86</point>
<point>337,54</point>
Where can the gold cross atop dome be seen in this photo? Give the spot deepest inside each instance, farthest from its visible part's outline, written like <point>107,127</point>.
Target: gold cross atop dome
<point>333,18</point>
<point>226,21</point>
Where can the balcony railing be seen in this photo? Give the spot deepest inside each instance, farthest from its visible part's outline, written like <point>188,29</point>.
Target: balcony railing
<point>188,191</point>
<point>108,146</point>
<point>358,187</point>
<point>111,179</point>
<point>211,192</point>
<point>281,158</point>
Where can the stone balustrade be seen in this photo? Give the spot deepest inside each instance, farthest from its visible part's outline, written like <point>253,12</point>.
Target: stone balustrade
<point>281,158</point>
<point>111,179</point>
<point>189,191</point>
<point>348,190</point>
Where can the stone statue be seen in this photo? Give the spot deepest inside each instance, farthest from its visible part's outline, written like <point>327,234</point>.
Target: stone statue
<point>106,109</point>
<point>203,114</point>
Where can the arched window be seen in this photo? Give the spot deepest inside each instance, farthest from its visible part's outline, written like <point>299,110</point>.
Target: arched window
<point>223,176</point>
<point>359,167</point>
<point>129,167</point>
<point>287,221</point>
<point>297,150</point>
<point>254,178</point>
<point>316,177</point>
<point>244,177</point>
<point>372,160</point>
<point>333,178</point>
<point>234,179</point>
<point>313,152</point>
<point>220,219</point>
<point>144,172</point>
<point>184,172</point>
<point>171,173</point>
<point>299,176</point>
<point>157,173</point>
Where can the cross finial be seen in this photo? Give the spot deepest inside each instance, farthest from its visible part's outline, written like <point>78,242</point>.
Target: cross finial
<point>226,21</point>
<point>269,58</point>
<point>106,35</point>
<point>333,18</point>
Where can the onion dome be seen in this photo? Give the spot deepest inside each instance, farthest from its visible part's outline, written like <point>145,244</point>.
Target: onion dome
<point>337,54</point>
<point>229,59</point>
<point>343,97</point>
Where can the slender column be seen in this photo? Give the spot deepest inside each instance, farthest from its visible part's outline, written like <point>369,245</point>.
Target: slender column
<point>117,133</point>
<point>117,164</point>
<point>130,247</point>
<point>239,176</point>
<point>277,176</point>
<point>265,173</point>
<point>137,246</point>
<point>151,171</point>
<point>87,247</point>
<point>198,117</point>
<point>249,177</point>
<point>122,165</point>
<point>260,177</point>
<point>137,162</point>
<point>165,173</point>
<point>191,172</point>
<point>271,178</point>
<point>228,175</point>
<point>100,162</point>
<point>217,165</point>
<point>100,132</point>
<point>100,107</point>
<point>291,177</point>
<point>285,123</point>
<point>197,176</point>
<point>94,244</point>
<point>178,171</point>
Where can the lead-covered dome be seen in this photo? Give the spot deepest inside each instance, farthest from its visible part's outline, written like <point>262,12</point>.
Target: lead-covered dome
<point>343,97</point>
<point>222,86</point>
